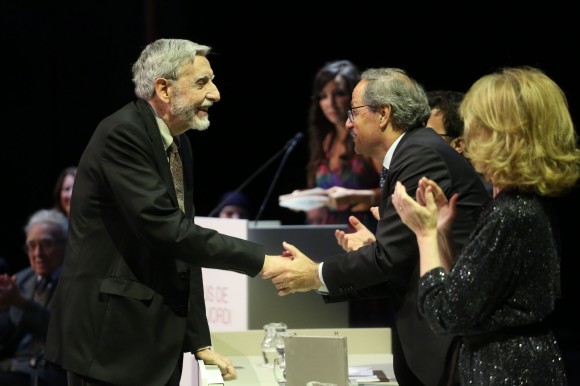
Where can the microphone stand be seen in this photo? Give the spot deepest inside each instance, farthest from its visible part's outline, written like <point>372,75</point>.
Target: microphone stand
<point>293,143</point>
<point>289,145</point>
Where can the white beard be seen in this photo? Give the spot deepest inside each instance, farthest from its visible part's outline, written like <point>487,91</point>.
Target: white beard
<point>186,113</point>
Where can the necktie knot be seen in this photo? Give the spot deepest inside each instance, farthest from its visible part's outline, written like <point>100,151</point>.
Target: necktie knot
<point>384,172</point>
<point>42,284</point>
<point>41,292</point>
<point>173,149</point>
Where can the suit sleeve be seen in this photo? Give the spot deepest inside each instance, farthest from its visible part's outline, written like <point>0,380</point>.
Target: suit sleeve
<point>132,173</point>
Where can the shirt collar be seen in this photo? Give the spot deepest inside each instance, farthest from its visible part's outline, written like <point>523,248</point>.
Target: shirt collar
<point>389,156</point>
<point>166,136</point>
<point>53,276</point>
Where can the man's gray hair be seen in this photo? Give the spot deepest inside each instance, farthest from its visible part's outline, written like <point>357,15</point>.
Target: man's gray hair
<point>393,87</point>
<point>164,58</point>
<point>51,216</point>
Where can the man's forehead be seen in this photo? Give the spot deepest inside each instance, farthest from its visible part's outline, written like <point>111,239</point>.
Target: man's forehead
<point>42,226</point>
<point>357,93</point>
<point>199,68</point>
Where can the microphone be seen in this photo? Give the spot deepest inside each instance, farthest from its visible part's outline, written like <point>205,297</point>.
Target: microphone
<point>291,143</point>
<point>287,148</point>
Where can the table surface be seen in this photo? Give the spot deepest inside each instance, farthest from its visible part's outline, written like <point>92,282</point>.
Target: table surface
<point>251,372</point>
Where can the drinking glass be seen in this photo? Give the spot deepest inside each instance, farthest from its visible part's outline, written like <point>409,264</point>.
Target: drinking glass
<point>280,371</point>
<point>269,349</point>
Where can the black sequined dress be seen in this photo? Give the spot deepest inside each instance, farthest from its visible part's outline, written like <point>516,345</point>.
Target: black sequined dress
<point>502,287</point>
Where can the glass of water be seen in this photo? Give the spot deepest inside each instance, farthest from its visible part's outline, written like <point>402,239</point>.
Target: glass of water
<point>269,343</point>
<point>280,371</point>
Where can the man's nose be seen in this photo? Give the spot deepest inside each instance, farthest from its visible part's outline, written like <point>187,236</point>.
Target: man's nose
<point>213,94</point>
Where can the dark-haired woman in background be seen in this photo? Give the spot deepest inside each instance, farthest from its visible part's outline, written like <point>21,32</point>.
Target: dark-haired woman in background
<point>335,166</point>
<point>63,189</point>
<point>333,163</point>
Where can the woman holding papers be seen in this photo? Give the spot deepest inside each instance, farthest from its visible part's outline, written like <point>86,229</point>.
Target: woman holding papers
<point>350,180</point>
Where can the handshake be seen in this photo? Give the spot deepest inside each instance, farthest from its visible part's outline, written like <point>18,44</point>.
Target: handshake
<point>293,271</point>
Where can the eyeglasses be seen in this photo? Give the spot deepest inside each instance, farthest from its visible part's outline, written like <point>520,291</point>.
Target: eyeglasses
<point>448,137</point>
<point>349,113</point>
<point>47,245</point>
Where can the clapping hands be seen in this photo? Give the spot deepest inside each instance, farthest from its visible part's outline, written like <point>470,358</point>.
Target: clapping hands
<point>429,211</point>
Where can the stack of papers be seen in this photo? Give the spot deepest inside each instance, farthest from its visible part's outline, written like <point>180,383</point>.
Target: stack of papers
<point>304,200</point>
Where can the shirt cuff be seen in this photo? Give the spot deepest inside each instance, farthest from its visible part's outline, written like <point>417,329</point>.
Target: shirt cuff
<point>204,348</point>
<point>322,289</point>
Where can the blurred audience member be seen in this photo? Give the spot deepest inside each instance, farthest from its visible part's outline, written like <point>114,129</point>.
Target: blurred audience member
<point>234,205</point>
<point>62,191</point>
<point>25,302</point>
<point>333,163</point>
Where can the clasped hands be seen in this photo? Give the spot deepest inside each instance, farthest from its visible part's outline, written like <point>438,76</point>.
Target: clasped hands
<point>293,271</point>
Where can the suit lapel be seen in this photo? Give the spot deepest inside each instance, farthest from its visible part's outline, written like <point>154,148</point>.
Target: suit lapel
<point>160,155</point>
<point>185,153</point>
<point>28,283</point>
<point>390,181</point>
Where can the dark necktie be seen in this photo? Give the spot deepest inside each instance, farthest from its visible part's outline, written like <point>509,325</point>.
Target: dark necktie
<point>176,172</point>
<point>42,291</point>
<point>384,172</point>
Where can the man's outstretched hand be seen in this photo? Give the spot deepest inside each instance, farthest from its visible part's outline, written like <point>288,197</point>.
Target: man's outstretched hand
<point>353,241</point>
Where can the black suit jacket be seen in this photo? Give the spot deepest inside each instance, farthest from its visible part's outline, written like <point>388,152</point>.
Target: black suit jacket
<point>130,298</point>
<point>390,266</point>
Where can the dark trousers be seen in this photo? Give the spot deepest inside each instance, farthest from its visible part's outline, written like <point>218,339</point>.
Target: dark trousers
<point>404,375</point>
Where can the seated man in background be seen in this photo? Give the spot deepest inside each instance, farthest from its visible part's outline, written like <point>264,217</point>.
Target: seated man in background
<point>25,300</point>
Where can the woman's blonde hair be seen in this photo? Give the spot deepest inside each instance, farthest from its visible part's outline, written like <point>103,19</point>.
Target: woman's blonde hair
<point>519,132</point>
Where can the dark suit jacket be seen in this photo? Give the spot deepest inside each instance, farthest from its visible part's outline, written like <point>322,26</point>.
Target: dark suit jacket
<point>23,331</point>
<point>390,266</point>
<point>130,299</point>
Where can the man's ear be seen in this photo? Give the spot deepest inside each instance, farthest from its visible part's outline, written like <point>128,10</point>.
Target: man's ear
<point>385,112</point>
<point>384,115</point>
<point>161,86</point>
<point>458,144</point>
